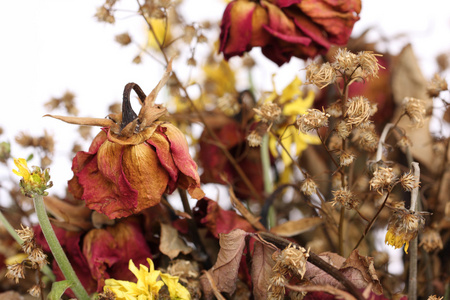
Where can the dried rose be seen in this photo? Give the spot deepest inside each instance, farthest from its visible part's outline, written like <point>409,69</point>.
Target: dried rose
<point>286,28</point>
<point>133,160</point>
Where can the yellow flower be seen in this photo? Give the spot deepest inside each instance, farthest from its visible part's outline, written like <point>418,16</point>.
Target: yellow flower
<point>146,288</point>
<point>23,171</point>
<point>159,26</point>
<point>176,290</point>
<point>403,226</point>
<point>33,182</point>
<point>293,103</point>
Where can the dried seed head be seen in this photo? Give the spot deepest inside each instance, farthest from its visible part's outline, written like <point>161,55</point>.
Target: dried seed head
<point>431,240</point>
<point>123,39</point>
<point>269,112</point>
<point>408,181</point>
<point>308,187</point>
<point>383,178</point>
<point>368,63</point>
<point>403,226</point>
<point>346,158</point>
<point>343,129</point>
<point>345,198</point>
<point>313,119</point>
<point>35,291</point>
<point>254,139</point>
<point>228,104</point>
<point>437,85</point>
<point>335,109</point>
<point>38,257</point>
<point>320,76</point>
<point>358,110</point>
<point>345,61</point>
<point>368,139</point>
<point>26,233</point>
<point>294,259</point>
<point>15,272</point>
<point>103,14</point>
<point>415,110</point>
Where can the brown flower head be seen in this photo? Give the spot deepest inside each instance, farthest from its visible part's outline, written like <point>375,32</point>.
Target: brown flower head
<point>403,226</point>
<point>345,198</point>
<point>286,28</point>
<point>383,178</point>
<point>415,110</point>
<point>15,272</point>
<point>358,111</point>
<point>134,159</point>
<point>308,187</point>
<point>314,119</point>
<point>320,76</point>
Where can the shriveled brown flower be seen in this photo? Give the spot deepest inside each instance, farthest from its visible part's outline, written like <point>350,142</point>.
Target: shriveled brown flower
<point>436,85</point>
<point>403,226</point>
<point>123,39</point>
<point>345,61</point>
<point>313,119</point>
<point>415,110</point>
<point>293,259</point>
<point>368,63</point>
<point>269,112</point>
<point>35,291</point>
<point>383,178</point>
<point>408,181</point>
<point>320,76</point>
<point>358,110</point>
<point>431,240</point>
<point>15,272</point>
<point>335,109</point>
<point>308,187</point>
<point>254,139</point>
<point>346,158</point>
<point>38,257</point>
<point>343,129</point>
<point>345,198</point>
<point>26,233</point>
<point>368,139</point>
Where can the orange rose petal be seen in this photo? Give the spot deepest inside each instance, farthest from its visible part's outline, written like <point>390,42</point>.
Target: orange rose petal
<point>162,146</point>
<point>183,160</point>
<point>144,172</point>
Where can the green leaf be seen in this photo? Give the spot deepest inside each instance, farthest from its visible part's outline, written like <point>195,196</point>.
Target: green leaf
<point>58,289</point>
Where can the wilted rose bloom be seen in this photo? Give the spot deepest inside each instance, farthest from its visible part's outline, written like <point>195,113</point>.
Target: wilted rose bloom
<point>286,28</point>
<point>133,160</point>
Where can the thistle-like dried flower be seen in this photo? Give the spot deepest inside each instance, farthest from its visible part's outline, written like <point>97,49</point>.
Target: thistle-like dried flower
<point>313,119</point>
<point>35,291</point>
<point>368,63</point>
<point>431,240</point>
<point>26,234</point>
<point>294,259</point>
<point>269,112</point>
<point>408,181</point>
<point>308,187</point>
<point>368,139</point>
<point>123,39</point>
<point>403,226</point>
<point>38,257</point>
<point>335,109</point>
<point>383,178</point>
<point>345,61</point>
<point>320,76</point>
<point>358,110</point>
<point>346,158</point>
<point>254,139</point>
<point>415,110</point>
<point>343,129</point>
<point>437,85</point>
<point>345,198</point>
<point>15,272</point>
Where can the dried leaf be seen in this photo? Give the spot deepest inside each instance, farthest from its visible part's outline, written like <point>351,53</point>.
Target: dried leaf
<point>361,271</point>
<point>292,228</point>
<point>340,294</point>
<point>318,276</point>
<point>262,264</point>
<point>171,244</point>
<point>68,216</point>
<point>225,271</point>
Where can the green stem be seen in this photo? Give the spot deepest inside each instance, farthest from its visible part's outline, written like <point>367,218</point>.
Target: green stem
<point>46,269</point>
<point>57,250</point>
<point>268,184</point>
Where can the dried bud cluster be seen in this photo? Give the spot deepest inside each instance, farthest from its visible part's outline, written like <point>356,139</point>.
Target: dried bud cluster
<point>345,198</point>
<point>415,110</point>
<point>313,119</point>
<point>320,76</point>
<point>431,240</point>
<point>403,226</point>
<point>383,179</point>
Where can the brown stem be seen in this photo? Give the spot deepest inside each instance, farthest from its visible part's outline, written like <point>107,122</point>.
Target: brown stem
<point>341,231</point>
<point>128,114</point>
<point>317,261</point>
<point>372,221</point>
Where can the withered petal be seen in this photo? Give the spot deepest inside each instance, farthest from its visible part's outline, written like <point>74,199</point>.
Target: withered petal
<point>162,146</point>
<point>144,172</point>
<point>84,121</point>
<point>183,160</point>
<point>135,139</point>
